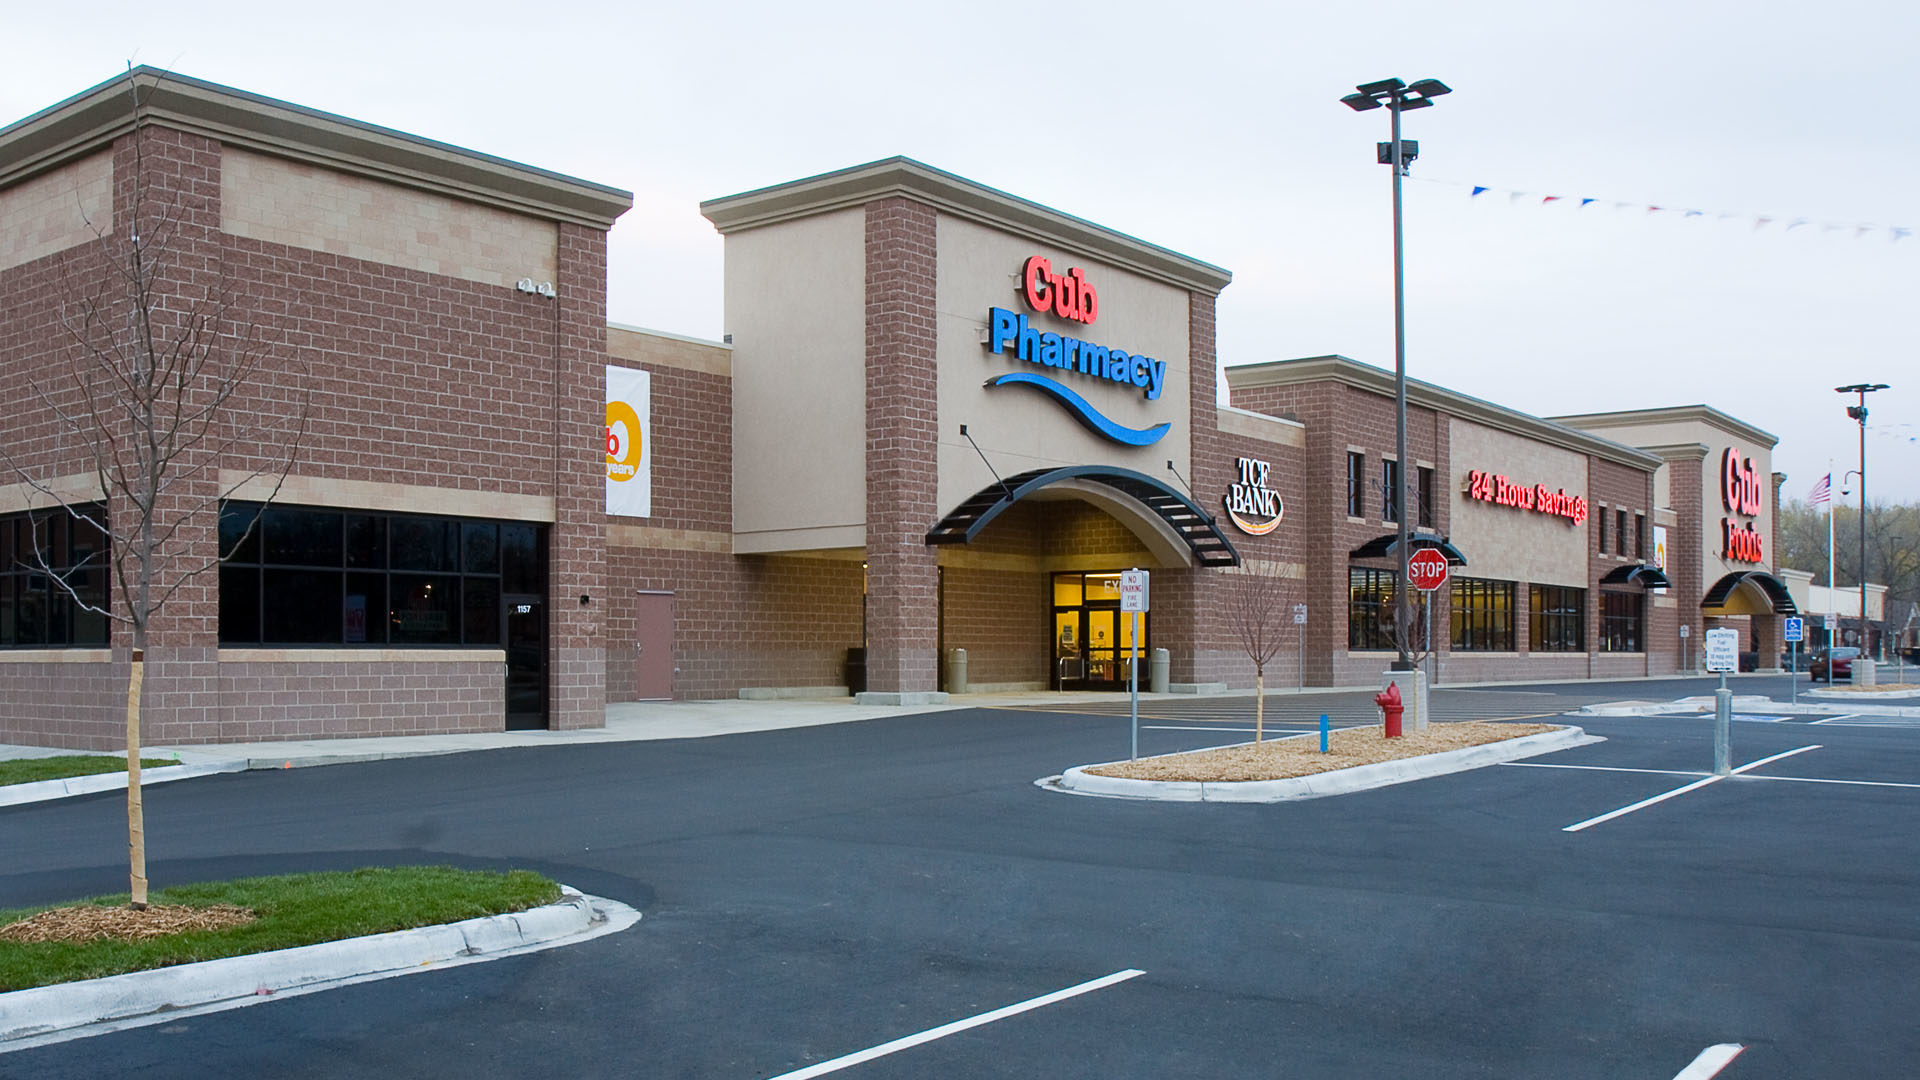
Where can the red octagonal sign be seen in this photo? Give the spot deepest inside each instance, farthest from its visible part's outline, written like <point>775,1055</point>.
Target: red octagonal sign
<point>1427,569</point>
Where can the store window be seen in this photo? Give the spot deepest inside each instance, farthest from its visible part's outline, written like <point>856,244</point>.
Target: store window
<point>1369,609</point>
<point>1557,619</point>
<point>1600,522</point>
<point>1622,621</point>
<point>38,551</point>
<point>1482,615</point>
<point>1425,480</point>
<point>1389,490</point>
<point>1640,536</point>
<point>309,576</point>
<point>1356,484</point>
<point>1620,532</point>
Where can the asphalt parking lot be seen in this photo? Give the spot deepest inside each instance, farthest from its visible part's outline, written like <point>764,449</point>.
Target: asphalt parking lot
<point>814,895</point>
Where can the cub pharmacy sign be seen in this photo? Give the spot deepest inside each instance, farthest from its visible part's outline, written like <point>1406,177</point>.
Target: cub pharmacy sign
<point>629,443</point>
<point>1071,297</point>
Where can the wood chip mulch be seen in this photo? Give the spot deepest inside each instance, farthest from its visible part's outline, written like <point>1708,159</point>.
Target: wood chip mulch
<point>1880,688</point>
<point>87,922</point>
<point>1281,759</point>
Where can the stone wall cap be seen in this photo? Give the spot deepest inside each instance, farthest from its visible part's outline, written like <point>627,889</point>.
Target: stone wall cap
<point>90,120</point>
<point>953,194</point>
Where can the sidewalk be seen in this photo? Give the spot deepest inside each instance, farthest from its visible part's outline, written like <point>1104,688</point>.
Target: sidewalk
<point>640,721</point>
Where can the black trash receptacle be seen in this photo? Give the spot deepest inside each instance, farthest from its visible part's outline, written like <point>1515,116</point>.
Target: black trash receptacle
<point>857,670</point>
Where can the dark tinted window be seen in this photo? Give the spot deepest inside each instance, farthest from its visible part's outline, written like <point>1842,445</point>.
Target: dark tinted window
<point>359,579</point>
<point>300,537</point>
<point>46,558</point>
<point>424,544</point>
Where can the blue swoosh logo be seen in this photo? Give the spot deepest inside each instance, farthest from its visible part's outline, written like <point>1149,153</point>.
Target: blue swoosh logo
<point>1084,411</point>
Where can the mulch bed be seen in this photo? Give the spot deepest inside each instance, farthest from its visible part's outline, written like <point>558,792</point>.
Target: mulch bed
<point>1281,759</point>
<point>88,922</point>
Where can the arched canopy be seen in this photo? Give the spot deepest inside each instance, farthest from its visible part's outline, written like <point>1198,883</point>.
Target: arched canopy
<point>1184,520</point>
<point>1651,577</point>
<point>1387,547</point>
<point>1749,592</point>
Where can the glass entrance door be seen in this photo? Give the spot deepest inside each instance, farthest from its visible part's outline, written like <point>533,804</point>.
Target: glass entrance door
<point>1092,638</point>
<point>526,662</point>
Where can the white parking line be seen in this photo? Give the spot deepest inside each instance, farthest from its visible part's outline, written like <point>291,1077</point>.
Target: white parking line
<point>1710,1061</point>
<point>1831,719</point>
<point>1695,772</point>
<point>1644,803</point>
<point>958,1026</point>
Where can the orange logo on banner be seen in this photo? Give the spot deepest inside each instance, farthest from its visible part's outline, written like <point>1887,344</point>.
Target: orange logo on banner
<point>623,441</point>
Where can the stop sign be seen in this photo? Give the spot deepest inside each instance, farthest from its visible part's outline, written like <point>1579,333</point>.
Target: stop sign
<point>1427,569</point>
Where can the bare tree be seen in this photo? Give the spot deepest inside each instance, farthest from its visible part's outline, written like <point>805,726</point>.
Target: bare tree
<point>154,356</point>
<point>1258,607</point>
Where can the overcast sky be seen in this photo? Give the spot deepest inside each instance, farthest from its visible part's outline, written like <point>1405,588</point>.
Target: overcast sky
<point>1215,129</point>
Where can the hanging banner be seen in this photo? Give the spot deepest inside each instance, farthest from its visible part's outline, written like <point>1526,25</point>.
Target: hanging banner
<point>629,443</point>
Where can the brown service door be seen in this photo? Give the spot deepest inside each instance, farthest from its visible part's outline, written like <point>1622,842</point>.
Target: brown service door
<point>653,647</point>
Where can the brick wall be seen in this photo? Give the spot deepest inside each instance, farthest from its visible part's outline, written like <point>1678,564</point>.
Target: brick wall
<point>901,400</point>
<point>404,377</point>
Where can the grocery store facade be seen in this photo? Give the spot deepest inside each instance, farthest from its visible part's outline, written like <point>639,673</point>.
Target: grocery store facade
<point>943,420</point>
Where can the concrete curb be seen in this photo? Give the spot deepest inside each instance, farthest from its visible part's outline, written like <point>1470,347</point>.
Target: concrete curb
<point>43,790</point>
<point>49,1014</point>
<point>1744,703</point>
<point>1076,781</point>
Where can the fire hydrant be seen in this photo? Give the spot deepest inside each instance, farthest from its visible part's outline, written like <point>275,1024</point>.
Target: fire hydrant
<point>1390,709</point>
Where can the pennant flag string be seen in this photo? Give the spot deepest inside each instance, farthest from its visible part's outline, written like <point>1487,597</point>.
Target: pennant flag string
<point>1894,233</point>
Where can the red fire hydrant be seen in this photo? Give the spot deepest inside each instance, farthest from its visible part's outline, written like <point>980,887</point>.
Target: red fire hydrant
<point>1390,709</point>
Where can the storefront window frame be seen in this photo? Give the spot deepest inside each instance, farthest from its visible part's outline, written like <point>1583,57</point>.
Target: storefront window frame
<point>1370,607</point>
<point>1556,619</point>
<point>1483,615</point>
<point>1623,617</point>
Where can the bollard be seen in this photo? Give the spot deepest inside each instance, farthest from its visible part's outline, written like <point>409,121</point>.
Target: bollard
<point>1323,733</point>
<point>1390,709</point>
<point>957,671</point>
<point>1160,671</point>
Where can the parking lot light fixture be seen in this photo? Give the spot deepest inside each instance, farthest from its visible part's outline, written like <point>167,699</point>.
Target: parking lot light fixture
<point>1859,412</point>
<point>1398,97</point>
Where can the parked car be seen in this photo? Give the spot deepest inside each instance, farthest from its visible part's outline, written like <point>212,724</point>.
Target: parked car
<point>1839,659</point>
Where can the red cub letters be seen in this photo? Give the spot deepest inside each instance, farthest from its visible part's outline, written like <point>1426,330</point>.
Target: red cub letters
<point>1068,295</point>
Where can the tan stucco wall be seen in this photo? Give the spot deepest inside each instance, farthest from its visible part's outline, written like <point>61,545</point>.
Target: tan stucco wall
<point>305,206</point>
<point>1707,502</point>
<point>1016,427</point>
<point>795,305</point>
<point>1503,542</point>
<point>56,211</point>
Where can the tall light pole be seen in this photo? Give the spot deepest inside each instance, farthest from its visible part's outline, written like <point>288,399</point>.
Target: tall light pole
<point>1398,97</point>
<point>1859,412</point>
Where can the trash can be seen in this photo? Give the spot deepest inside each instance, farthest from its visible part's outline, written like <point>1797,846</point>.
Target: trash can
<point>1159,671</point>
<point>956,671</point>
<point>857,670</point>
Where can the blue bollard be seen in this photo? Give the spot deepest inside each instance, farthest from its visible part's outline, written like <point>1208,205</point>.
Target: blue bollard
<point>1323,733</point>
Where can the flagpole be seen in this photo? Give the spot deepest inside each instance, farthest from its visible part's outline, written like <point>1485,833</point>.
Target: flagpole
<point>1829,570</point>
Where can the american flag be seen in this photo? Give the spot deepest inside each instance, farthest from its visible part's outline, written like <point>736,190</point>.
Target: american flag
<point>1822,492</point>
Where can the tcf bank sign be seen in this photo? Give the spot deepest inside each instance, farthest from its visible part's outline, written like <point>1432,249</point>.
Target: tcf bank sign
<point>1740,494</point>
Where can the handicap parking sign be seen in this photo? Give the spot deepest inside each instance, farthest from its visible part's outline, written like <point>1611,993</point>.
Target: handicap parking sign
<point>1796,628</point>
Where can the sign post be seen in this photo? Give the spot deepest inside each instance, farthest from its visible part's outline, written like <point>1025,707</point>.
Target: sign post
<point>1133,599</point>
<point>1723,655</point>
<point>1300,632</point>
<point>1428,570</point>
<point>1796,631</point>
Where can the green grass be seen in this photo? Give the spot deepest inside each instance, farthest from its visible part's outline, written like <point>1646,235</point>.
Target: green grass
<point>293,909</point>
<point>27,770</point>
